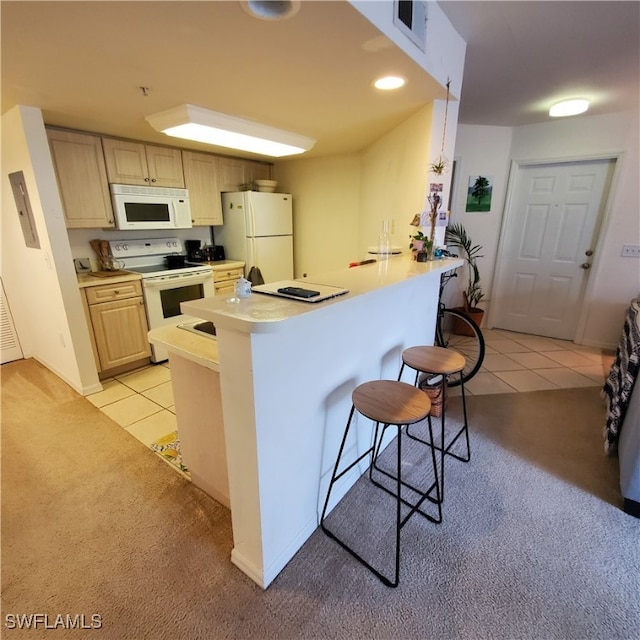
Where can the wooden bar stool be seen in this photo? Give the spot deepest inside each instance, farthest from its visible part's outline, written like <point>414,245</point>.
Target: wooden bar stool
<point>437,361</point>
<point>390,403</point>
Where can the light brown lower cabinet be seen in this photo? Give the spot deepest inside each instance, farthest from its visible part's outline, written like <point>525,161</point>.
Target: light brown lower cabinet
<point>224,280</point>
<point>119,324</point>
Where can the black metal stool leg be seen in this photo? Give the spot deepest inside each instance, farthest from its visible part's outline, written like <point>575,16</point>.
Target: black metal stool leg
<point>464,429</point>
<point>403,404</point>
<point>425,494</point>
<point>399,524</point>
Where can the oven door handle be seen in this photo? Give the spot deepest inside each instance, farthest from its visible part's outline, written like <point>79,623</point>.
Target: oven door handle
<point>177,281</point>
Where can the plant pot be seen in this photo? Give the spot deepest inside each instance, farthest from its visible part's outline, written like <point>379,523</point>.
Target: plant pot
<point>462,329</point>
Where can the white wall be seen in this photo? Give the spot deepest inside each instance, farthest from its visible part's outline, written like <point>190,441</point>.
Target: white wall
<point>480,150</point>
<point>443,58</point>
<point>614,280</point>
<point>326,204</point>
<point>41,284</point>
<point>394,180</point>
<point>80,239</point>
<point>340,202</point>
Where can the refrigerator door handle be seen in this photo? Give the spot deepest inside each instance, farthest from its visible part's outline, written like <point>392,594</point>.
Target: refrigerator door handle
<point>252,215</point>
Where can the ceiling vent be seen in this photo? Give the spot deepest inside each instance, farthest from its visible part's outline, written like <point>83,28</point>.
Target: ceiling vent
<point>271,9</point>
<point>410,17</point>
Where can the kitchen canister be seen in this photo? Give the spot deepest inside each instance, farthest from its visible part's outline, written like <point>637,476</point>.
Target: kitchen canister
<point>243,288</point>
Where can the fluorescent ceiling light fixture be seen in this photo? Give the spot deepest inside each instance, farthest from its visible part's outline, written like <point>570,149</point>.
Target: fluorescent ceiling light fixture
<point>211,127</point>
<point>569,108</point>
<point>389,82</point>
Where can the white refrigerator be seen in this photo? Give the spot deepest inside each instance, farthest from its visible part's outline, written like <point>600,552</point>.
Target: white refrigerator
<point>258,229</point>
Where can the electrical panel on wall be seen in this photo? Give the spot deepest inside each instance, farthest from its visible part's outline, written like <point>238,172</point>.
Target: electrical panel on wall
<point>410,16</point>
<point>25,213</point>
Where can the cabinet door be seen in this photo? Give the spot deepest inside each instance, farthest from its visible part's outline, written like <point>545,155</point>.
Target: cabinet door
<point>120,329</point>
<point>256,171</point>
<point>126,161</point>
<point>82,179</point>
<point>201,179</point>
<point>231,174</point>
<point>165,167</point>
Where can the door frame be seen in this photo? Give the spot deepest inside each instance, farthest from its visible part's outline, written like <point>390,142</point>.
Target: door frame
<point>600,230</point>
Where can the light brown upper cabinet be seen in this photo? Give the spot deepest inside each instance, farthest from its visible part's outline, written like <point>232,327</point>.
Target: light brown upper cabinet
<point>147,165</point>
<point>82,179</point>
<point>201,179</point>
<point>235,172</point>
<point>256,171</point>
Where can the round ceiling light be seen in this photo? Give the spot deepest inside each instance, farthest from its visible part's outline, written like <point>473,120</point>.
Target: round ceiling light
<point>389,82</point>
<point>569,108</point>
<point>271,9</point>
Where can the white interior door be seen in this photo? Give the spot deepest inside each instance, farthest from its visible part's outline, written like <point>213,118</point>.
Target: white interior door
<point>548,244</point>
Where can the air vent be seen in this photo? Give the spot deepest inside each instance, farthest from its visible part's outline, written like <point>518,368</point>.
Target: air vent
<point>410,17</point>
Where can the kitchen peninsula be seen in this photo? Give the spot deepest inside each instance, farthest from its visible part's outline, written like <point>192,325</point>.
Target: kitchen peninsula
<point>287,369</point>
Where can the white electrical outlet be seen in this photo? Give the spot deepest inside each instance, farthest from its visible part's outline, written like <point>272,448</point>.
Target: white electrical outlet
<point>630,251</point>
<point>83,265</point>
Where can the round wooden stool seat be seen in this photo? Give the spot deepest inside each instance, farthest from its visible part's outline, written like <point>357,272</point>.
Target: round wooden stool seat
<point>391,402</point>
<point>433,360</point>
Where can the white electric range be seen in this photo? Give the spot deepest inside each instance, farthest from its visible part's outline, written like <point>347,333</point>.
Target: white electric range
<point>164,288</point>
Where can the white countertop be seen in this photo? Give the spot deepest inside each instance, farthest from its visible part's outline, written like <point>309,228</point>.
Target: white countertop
<point>202,349</point>
<point>88,280</point>
<point>261,313</point>
<point>223,265</point>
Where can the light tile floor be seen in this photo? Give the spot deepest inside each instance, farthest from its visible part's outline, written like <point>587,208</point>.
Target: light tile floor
<point>142,401</point>
<point>520,362</point>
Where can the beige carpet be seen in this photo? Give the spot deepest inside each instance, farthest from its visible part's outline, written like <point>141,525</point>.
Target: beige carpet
<point>534,544</point>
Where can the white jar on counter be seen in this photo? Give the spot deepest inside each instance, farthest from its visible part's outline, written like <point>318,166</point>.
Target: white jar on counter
<point>243,288</point>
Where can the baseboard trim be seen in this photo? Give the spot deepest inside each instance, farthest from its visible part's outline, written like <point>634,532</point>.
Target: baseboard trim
<point>632,507</point>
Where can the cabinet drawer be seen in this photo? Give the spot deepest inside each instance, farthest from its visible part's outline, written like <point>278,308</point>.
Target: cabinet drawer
<point>108,292</point>
<point>228,274</point>
<point>225,288</point>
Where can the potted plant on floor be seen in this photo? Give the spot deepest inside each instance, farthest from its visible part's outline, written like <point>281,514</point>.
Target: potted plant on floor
<point>457,236</point>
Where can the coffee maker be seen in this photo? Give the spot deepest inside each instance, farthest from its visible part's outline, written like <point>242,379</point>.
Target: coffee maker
<point>194,252</point>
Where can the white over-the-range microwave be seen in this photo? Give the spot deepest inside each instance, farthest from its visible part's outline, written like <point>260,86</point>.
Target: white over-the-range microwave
<point>150,207</point>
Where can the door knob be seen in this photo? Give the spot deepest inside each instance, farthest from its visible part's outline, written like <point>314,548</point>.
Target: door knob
<point>588,253</point>
<point>585,265</point>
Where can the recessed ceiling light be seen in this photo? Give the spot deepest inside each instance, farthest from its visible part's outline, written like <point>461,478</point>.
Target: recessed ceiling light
<point>569,108</point>
<point>389,82</point>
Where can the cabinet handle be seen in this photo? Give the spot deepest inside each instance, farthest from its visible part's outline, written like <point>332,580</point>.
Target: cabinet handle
<point>146,179</point>
<point>153,179</point>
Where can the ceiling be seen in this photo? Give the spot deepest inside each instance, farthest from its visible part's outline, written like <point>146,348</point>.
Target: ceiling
<point>84,63</point>
<point>524,56</point>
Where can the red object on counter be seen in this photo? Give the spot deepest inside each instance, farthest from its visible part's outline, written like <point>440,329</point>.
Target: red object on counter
<point>357,264</point>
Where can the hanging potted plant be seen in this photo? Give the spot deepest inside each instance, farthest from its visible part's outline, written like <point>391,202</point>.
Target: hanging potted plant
<point>457,236</point>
